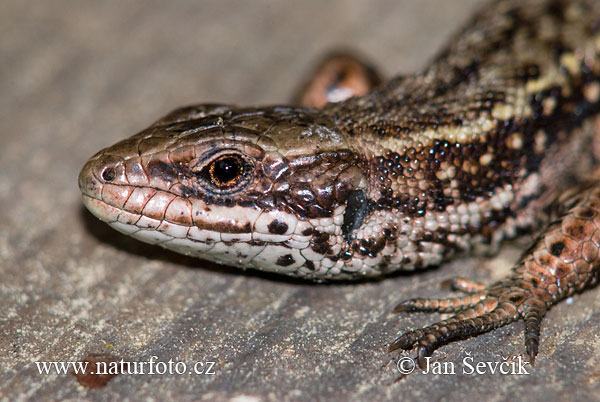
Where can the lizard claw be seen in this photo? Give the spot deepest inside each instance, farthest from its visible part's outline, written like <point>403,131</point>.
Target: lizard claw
<point>422,354</point>
<point>490,312</point>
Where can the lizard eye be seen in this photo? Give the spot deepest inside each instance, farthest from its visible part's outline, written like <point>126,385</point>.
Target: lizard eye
<point>227,172</point>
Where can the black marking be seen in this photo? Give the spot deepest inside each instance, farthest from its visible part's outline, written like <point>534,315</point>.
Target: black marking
<point>307,232</point>
<point>166,171</point>
<point>586,213</point>
<point>285,260</point>
<point>356,210</point>
<point>517,299</point>
<point>557,248</point>
<point>319,243</point>
<point>277,227</point>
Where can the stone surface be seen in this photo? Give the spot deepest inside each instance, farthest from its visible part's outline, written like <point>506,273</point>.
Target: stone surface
<point>78,76</point>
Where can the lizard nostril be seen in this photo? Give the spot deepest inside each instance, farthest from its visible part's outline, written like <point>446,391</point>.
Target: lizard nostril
<point>109,174</point>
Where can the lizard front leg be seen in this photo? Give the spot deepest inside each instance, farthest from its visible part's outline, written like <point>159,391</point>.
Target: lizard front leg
<point>563,260</point>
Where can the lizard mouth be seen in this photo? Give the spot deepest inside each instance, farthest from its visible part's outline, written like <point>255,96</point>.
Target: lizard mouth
<point>235,235</point>
<point>143,212</point>
<point>251,249</point>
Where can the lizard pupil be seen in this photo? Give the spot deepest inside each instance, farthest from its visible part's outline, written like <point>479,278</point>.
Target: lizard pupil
<point>225,171</point>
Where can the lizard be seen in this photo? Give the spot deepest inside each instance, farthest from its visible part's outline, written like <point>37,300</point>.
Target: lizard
<point>496,136</point>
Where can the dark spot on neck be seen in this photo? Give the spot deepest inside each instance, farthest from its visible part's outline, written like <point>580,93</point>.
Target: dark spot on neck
<point>356,210</point>
<point>277,227</point>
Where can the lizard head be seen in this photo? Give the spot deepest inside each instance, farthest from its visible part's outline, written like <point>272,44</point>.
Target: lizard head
<point>263,188</point>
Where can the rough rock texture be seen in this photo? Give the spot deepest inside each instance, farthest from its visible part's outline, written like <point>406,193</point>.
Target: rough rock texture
<point>78,76</point>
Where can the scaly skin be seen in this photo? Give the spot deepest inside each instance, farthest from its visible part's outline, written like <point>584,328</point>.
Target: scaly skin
<point>473,149</point>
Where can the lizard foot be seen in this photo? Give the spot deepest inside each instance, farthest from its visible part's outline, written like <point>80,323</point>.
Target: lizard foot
<point>563,260</point>
<point>475,315</point>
